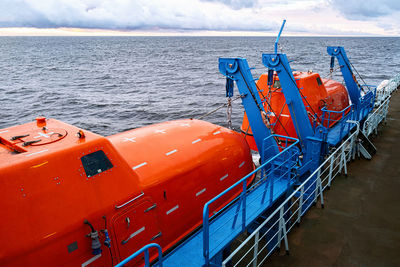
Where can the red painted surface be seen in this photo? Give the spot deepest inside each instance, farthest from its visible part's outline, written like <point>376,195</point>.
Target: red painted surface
<point>329,93</point>
<point>45,194</point>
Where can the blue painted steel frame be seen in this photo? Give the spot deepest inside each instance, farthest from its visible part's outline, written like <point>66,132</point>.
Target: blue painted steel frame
<point>238,70</point>
<point>144,250</point>
<point>348,76</point>
<point>363,104</point>
<point>298,112</point>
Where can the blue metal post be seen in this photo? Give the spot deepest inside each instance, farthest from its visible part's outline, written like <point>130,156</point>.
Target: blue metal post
<point>244,205</point>
<point>206,234</point>
<point>279,36</point>
<point>353,87</point>
<point>238,70</point>
<point>144,250</point>
<point>298,112</point>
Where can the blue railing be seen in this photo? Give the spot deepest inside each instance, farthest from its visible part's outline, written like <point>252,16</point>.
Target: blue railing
<point>331,117</point>
<point>144,250</point>
<point>279,167</point>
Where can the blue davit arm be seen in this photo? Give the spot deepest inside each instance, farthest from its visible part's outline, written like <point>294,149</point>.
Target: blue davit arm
<point>298,112</point>
<point>238,70</point>
<point>352,85</point>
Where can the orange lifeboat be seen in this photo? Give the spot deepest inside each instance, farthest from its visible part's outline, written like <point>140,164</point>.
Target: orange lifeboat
<point>65,191</point>
<point>318,93</point>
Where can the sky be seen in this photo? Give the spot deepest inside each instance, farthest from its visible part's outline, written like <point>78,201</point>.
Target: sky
<point>200,17</point>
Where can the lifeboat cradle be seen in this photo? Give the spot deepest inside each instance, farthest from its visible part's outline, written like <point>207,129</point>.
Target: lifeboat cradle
<point>293,173</point>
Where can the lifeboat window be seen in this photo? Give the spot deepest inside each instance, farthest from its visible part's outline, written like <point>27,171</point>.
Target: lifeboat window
<point>95,163</point>
<point>277,84</point>
<point>319,81</point>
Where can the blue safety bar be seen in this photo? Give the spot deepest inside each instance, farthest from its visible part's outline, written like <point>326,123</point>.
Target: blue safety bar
<point>331,117</point>
<point>276,163</point>
<point>338,118</point>
<point>144,250</point>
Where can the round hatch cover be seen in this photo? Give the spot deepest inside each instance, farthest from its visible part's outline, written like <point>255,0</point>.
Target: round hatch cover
<point>43,137</point>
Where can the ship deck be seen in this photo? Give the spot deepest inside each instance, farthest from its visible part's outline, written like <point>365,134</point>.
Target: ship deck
<point>360,225</point>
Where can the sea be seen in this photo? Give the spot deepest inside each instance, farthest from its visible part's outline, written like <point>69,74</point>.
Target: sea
<point>111,84</point>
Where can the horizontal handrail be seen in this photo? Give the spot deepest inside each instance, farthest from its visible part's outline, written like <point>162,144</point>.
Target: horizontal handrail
<point>129,201</point>
<point>337,111</point>
<point>327,114</point>
<point>243,181</point>
<point>144,250</point>
<point>247,176</point>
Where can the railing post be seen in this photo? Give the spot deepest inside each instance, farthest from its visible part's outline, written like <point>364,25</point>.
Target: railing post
<point>244,206</point>
<point>271,182</point>
<point>206,241</point>
<point>330,170</point>
<point>352,147</point>
<point>146,258</point>
<point>318,187</point>
<point>343,164</point>
<point>283,228</point>
<point>329,118</point>
<point>342,126</point>
<point>279,230</point>
<point>240,202</point>
<point>146,252</point>
<point>300,205</point>
<point>386,108</point>
<point>255,254</point>
<point>341,160</point>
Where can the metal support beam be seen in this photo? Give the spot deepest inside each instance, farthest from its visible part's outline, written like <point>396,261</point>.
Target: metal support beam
<point>298,112</point>
<point>352,85</point>
<point>238,70</point>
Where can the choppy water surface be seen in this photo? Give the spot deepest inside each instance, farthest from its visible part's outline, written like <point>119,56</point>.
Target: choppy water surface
<point>110,84</point>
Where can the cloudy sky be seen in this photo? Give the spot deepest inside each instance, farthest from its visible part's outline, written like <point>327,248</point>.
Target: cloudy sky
<point>199,17</point>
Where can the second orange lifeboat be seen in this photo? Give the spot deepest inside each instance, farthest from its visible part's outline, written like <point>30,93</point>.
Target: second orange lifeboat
<point>317,94</point>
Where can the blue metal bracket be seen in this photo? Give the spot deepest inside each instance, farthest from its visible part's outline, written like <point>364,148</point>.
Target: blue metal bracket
<point>237,69</point>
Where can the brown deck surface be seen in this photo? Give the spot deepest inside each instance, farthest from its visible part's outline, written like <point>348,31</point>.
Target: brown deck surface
<point>360,225</point>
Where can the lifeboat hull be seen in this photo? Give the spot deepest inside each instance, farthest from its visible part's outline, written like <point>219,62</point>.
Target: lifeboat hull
<point>144,185</point>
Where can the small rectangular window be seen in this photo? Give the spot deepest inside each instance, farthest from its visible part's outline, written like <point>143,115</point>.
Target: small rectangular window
<point>319,81</point>
<point>95,163</point>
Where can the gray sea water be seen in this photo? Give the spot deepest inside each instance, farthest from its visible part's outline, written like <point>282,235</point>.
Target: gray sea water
<point>111,84</point>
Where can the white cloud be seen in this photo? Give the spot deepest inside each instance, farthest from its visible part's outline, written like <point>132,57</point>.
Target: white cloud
<point>305,17</point>
<point>366,9</point>
<point>123,14</point>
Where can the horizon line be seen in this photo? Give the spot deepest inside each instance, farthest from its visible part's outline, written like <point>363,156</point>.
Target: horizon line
<point>92,32</point>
